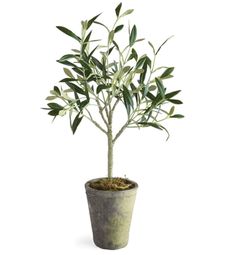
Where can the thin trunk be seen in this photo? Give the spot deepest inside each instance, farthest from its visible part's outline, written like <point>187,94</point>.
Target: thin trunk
<point>110,154</point>
<point>110,145</point>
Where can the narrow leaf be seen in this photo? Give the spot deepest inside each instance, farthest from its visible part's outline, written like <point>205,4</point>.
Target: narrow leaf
<point>101,87</point>
<point>69,33</point>
<point>76,122</point>
<point>175,101</point>
<point>172,94</point>
<point>151,45</point>
<point>140,62</point>
<point>178,116</point>
<point>171,110</point>
<point>163,44</point>
<point>68,56</point>
<point>75,88</point>
<point>160,87</point>
<point>111,36</point>
<point>133,35</point>
<point>97,63</point>
<point>57,90</point>
<point>150,124</point>
<point>91,53</point>
<point>55,106</point>
<point>68,73</point>
<point>127,100</point>
<point>127,12</point>
<point>152,88</point>
<point>53,112</point>
<point>167,72</point>
<point>118,8</point>
<point>78,70</point>
<point>118,28</point>
<point>89,23</point>
<point>51,98</point>
<point>68,79</point>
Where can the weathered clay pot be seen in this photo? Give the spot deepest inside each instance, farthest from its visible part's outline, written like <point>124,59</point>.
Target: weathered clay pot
<point>110,213</point>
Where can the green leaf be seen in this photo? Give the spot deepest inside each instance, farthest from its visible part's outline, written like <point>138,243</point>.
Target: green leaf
<point>51,98</point>
<point>55,106</point>
<point>126,69</point>
<point>178,116</point>
<point>172,94</point>
<point>133,55</point>
<point>76,122</point>
<point>118,8</point>
<point>101,24</point>
<point>111,36</point>
<point>68,79</point>
<point>69,33</point>
<point>84,103</point>
<point>152,47</point>
<point>139,70</point>
<point>54,112</point>
<point>78,70</point>
<point>127,12</point>
<point>68,90</point>
<point>89,23</point>
<point>75,88</point>
<point>127,100</point>
<point>140,62</point>
<point>118,28</point>
<point>68,73</point>
<point>140,40</point>
<point>175,101</point>
<point>171,110</point>
<point>97,63</point>
<point>135,93</point>
<point>101,87</point>
<point>152,88</point>
<point>163,44</point>
<point>68,56</point>
<point>133,35</point>
<point>160,87</point>
<point>91,53</point>
<point>167,72</point>
<point>57,90</point>
<point>116,45</point>
<point>85,65</point>
<point>66,62</point>
<point>168,77</point>
<point>143,74</point>
<point>110,50</point>
<point>150,96</point>
<point>150,124</point>
<point>85,43</point>
<point>88,37</point>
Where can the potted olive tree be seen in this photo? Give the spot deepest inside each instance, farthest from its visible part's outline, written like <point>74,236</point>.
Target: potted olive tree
<point>103,74</point>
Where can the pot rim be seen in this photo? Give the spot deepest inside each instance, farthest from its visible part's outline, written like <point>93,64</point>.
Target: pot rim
<point>128,192</point>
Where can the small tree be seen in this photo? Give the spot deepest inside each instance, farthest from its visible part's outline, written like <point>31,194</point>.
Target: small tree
<point>94,76</point>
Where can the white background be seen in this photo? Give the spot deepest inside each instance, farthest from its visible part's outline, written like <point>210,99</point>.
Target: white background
<point>186,197</point>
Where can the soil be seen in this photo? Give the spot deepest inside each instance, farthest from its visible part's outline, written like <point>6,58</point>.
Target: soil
<point>113,184</point>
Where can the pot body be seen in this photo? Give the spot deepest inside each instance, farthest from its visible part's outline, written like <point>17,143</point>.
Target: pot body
<point>110,213</point>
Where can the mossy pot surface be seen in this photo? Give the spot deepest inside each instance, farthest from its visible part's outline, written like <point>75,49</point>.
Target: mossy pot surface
<point>110,213</point>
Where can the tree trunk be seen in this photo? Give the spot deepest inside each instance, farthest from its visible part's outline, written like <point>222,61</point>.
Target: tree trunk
<point>110,154</point>
<point>110,145</point>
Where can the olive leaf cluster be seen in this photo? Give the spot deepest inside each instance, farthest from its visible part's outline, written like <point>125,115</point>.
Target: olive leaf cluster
<point>102,73</point>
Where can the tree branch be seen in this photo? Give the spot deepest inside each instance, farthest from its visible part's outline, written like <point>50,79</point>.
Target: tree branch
<point>101,112</point>
<point>121,131</point>
<point>95,123</point>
